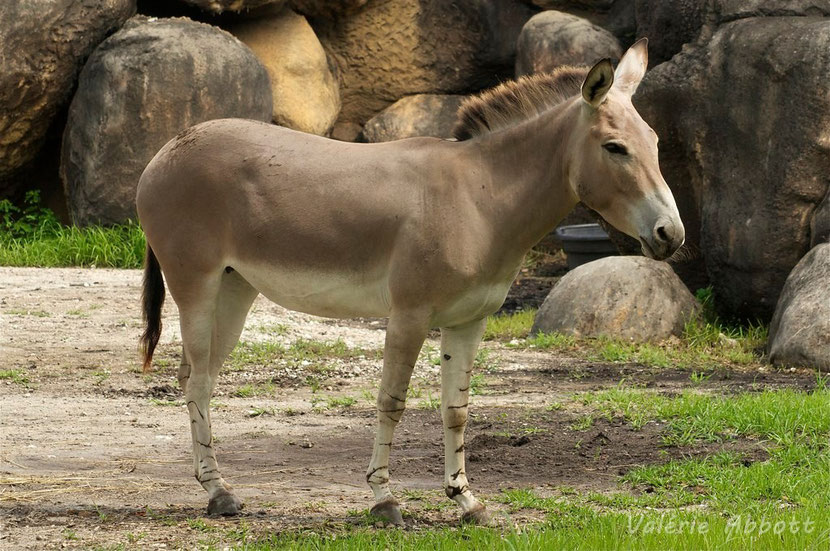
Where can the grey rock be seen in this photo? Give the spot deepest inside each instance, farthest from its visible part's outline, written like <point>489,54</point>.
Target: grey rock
<point>220,6</point>
<point>628,297</point>
<point>141,87</point>
<point>741,117</point>
<point>820,222</point>
<point>551,39</point>
<point>252,8</point>
<point>418,115</point>
<point>799,334</point>
<point>668,26</point>
<point>43,44</point>
<point>616,16</point>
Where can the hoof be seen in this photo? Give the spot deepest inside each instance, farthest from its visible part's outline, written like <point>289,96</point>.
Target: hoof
<point>389,510</point>
<point>477,515</point>
<point>225,505</point>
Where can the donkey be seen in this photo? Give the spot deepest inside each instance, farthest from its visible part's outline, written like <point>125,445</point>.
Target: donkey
<point>427,232</point>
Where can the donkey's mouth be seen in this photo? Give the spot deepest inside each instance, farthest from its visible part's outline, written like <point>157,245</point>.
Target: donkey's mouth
<point>647,250</point>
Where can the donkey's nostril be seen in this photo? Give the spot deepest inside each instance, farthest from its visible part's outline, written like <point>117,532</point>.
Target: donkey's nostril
<point>662,234</point>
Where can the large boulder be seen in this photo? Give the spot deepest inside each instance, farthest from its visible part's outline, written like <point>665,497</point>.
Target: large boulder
<point>551,39</point>
<point>628,297</point>
<point>820,222</point>
<point>395,48</point>
<point>418,115</point>
<point>306,93</point>
<point>140,88</point>
<point>616,16</point>
<point>43,44</point>
<point>799,334</point>
<point>219,6</point>
<point>330,9</point>
<point>311,8</point>
<point>743,118</point>
<point>668,26</point>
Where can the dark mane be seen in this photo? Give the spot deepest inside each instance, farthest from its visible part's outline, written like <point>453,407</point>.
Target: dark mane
<point>514,101</point>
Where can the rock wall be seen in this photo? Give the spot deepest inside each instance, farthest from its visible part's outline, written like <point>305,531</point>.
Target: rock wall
<point>43,45</point>
<point>738,93</point>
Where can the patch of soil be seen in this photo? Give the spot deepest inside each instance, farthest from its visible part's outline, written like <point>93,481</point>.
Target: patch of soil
<point>95,453</point>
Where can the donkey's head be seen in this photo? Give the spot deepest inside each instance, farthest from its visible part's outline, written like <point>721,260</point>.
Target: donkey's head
<point>614,169</point>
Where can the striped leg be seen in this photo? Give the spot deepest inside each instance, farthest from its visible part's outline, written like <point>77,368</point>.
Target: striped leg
<point>210,329</point>
<point>405,335</point>
<point>458,351</point>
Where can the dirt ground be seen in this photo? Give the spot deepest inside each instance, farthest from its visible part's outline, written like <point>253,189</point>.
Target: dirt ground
<point>94,453</point>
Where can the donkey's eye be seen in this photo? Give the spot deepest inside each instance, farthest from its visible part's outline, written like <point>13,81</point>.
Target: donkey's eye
<point>615,148</point>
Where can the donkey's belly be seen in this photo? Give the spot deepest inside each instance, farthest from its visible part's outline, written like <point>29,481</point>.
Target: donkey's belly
<point>328,294</point>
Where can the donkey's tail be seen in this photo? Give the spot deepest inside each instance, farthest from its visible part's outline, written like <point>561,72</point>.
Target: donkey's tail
<point>152,299</point>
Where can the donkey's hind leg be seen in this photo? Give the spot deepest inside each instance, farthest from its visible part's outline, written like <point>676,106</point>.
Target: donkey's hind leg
<point>184,371</point>
<point>212,317</point>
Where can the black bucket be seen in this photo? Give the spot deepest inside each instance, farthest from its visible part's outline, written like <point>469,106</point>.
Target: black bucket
<point>585,243</point>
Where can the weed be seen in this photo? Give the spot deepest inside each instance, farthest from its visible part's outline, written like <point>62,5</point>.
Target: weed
<point>200,525</point>
<point>135,538</point>
<point>255,389</point>
<point>342,402</point>
<point>14,375</point>
<point>78,313</point>
<point>430,402</point>
<point>583,424</point>
<point>260,411</point>
<point>698,377</point>
<point>484,361</point>
<point>160,402</point>
<point>548,341</point>
<point>477,384</point>
<point>507,327</point>
<point>101,375</point>
<point>32,313</point>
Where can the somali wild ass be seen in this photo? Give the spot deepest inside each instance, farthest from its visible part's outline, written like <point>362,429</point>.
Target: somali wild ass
<point>427,232</point>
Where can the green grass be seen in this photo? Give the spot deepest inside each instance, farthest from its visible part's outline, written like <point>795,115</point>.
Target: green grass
<point>703,345</point>
<point>782,416</point>
<point>705,342</point>
<point>726,500</point>
<point>306,353</point>
<point>255,389</point>
<point>14,375</point>
<point>30,235</point>
<point>112,247</point>
<point>509,326</point>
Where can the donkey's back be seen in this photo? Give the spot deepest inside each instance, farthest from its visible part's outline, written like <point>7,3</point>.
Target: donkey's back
<point>307,221</point>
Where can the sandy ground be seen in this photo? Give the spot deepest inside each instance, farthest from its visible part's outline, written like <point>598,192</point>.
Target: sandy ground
<point>95,453</point>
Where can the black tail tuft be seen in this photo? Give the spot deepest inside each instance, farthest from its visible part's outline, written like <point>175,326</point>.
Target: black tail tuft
<point>152,300</point>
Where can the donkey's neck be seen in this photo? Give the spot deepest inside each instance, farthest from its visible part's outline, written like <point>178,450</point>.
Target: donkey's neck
<point>523,172</point>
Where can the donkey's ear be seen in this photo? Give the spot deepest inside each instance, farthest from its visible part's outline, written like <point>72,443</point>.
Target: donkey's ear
<point>598,82</point>
<point>632,67</point>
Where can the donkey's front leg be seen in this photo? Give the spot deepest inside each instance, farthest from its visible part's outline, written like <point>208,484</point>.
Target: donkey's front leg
<point>458,352</point>
<point>405,335</point>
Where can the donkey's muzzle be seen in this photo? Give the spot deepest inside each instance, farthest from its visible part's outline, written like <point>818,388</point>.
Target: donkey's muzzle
<point>666,237</point>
